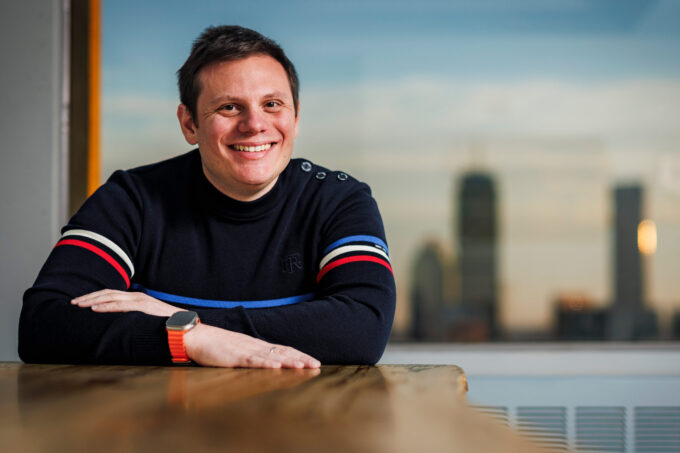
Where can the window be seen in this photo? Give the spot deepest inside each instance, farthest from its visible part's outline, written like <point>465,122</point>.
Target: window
<point>525,155</point>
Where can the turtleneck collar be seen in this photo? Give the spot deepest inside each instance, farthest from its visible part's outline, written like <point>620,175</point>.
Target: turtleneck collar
<point>216,203</point>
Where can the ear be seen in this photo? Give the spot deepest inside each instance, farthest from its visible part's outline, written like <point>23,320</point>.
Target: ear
<point>186,123</point>
<point>297,120</point>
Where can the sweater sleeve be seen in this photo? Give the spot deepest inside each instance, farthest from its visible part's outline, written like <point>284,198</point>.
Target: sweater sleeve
<point>350,320</point>
<point>96,251</point>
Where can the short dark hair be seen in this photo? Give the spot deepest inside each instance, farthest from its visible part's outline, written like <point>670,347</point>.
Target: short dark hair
<point>225,43</point>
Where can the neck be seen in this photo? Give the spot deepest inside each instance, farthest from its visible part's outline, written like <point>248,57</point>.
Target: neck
<point>242,192</point>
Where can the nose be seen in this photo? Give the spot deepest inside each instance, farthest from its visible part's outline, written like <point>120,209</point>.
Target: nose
<point>252,122</point>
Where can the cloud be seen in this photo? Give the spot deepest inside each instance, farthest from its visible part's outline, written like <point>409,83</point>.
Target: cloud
<point>138,105</point>
<point>428,110</point>
<point>554,147</point>
<point>431,116</point>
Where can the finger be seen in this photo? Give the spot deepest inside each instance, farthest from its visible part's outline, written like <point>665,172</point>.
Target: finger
<point>112,307</point>
<point>85,297</point>
<point>97,297</point>
<point>311,362</point>
<point>287,362</point>
<point>292,358</point>
<point>97,301</point>
<point>99,293</point>
<point>106,296</point>
<point>298,356</point>
<point>90,301</point>
<point>255,361</point>
<point>287,357</point>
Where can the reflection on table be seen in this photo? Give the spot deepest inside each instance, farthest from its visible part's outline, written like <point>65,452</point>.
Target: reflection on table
<point>336,408</point>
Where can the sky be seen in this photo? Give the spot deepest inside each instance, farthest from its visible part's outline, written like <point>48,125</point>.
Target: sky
<point>559,100</point>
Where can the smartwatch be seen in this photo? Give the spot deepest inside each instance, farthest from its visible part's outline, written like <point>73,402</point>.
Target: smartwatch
<point>176,326</point>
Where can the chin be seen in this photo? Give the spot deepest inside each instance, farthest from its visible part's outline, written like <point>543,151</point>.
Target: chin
<point>256,181</point>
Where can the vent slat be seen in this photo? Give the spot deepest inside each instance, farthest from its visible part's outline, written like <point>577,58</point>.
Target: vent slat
<point>498,413</point>
<point>600,428</point>
<point>545,425</point>
<point>657,429</point>
<point>594,428</point>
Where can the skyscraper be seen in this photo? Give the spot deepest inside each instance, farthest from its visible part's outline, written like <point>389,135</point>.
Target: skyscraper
<point>628,284</point>
<point>629,319</point>
<point>427,292</point>
<point>478,248</point>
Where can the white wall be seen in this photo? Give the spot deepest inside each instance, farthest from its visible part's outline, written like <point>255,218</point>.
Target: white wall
<point>32,150</point>
<point>542,359</point>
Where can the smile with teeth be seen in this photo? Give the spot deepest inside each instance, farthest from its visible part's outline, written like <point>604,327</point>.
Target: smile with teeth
<point>251,149</point>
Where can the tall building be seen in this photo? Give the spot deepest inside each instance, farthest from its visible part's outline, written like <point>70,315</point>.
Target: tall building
<point>427,292</point>
<point>477,226</point>
<point>629,319</point>
<point>628,283</point>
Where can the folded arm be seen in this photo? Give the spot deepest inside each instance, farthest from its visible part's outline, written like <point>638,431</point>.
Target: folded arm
<point>348,322</point>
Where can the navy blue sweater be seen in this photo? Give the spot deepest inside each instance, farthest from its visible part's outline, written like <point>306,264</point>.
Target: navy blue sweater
<point>306,265</point>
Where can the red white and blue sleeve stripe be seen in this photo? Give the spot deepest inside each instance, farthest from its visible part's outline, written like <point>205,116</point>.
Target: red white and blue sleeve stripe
<point>103,247</point>
<point>353,249</point>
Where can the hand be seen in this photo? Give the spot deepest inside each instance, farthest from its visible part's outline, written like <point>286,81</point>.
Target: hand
<point>111,300</point>
<point>212,346</point>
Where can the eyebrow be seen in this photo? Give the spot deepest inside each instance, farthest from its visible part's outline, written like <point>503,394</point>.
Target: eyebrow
<point>223,99</point>
<point>229,98</point>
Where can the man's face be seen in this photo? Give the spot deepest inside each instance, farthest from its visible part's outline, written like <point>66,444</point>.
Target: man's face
<point>246,125</point>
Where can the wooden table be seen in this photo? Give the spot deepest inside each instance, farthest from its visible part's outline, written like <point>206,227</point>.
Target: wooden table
<point>337,408</point>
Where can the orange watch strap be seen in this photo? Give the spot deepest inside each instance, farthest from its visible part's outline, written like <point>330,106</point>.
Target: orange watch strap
<point>176,343</point>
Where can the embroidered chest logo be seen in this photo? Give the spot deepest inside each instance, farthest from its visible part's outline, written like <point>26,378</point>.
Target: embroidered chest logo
<point>292,263</point>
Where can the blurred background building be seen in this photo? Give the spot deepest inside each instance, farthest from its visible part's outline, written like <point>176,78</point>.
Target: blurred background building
<point>478,250</point>
<point>427,293</point>
<point>628,284</point>
<point>459,302</point>
<point>629,317</point>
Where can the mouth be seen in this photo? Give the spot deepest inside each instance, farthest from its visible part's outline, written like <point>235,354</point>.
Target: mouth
<point>253,148</point>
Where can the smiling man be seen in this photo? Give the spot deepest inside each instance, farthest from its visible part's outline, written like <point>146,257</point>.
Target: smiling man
<point>248,123</point>
<point>233,254</point>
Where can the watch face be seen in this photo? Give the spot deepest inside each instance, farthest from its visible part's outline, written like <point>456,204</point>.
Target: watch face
<point>182,320</point>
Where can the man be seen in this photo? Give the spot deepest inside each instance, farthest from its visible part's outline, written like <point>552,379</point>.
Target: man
<point>230,255</point>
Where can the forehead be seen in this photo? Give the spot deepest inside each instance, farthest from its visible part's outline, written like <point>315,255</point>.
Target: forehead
<point>256,75</point>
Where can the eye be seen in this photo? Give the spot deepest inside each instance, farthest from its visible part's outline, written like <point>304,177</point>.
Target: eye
<point>272,105</point>
<point>229,109</point>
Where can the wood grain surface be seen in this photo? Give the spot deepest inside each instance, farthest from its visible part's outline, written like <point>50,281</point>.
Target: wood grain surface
<point>334,409</point>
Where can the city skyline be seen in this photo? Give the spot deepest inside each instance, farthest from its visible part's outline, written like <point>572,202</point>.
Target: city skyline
<point>453,292</point>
